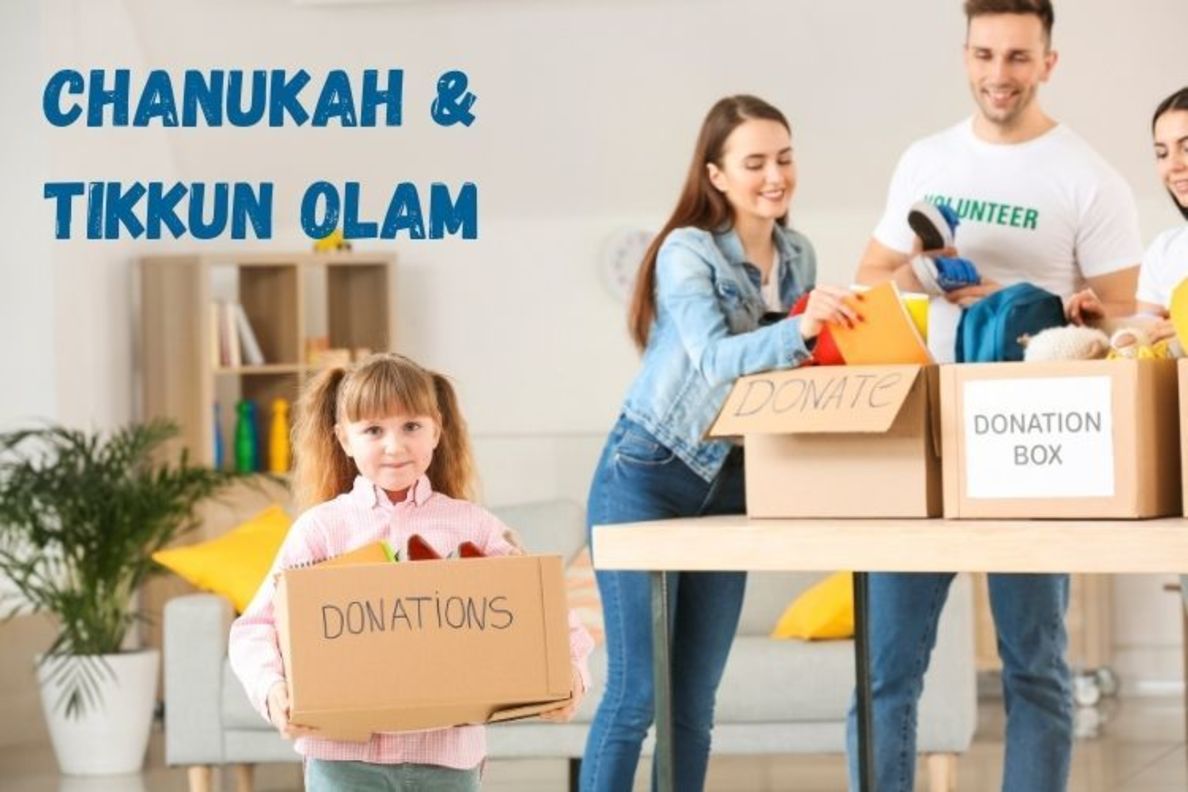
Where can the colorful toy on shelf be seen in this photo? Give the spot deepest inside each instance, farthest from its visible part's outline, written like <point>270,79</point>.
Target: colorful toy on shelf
<point>333,242</point>
<point>217,449</point>
<point>247,438</point>
<point>278,438</point>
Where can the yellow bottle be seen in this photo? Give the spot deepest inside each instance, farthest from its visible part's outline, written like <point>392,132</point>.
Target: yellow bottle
<point>278,438</point>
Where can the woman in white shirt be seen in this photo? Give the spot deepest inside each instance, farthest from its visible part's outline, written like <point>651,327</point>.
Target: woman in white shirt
<point>1165,264</point>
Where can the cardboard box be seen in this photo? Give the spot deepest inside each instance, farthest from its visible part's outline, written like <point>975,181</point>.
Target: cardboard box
<point>376,647</point>
<point>1182,369</point>
<point>1072,439</point>
<point>838,441</point>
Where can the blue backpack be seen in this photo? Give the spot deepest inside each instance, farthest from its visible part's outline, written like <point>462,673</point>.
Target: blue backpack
<point>990,329</point>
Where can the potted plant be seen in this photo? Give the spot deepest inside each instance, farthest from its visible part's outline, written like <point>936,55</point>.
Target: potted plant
<point>80,516</point>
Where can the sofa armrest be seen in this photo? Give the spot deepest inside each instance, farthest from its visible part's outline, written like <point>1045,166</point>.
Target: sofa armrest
<point>196,628</point>
<point>949,706</point>
<point>556,526</point>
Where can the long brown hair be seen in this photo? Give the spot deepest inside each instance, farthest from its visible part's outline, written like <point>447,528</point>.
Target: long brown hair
<point>381,385</point>
<point>700,204</point>
<point>1177,101</point>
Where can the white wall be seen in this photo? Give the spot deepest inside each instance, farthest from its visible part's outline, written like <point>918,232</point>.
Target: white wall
<point>586,117</point>
<point>27,288</point>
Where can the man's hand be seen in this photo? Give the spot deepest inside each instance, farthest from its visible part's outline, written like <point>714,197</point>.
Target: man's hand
<point>968,295</point>
<point>568,709</point>
<point>278,714</point>
<point>1084,307</point>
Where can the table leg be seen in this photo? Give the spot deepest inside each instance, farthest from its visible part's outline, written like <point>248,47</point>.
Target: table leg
<point>862,669</point>
<point>662,681</point>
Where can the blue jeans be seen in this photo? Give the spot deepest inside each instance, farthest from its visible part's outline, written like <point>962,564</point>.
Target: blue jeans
<point>1029,619</point>
<point>639,479</point>
<point>325,775</point>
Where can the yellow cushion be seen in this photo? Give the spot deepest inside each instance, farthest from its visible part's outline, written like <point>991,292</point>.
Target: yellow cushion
<point>582,590</point>
<point>235,564</point>
<point>824,611</point>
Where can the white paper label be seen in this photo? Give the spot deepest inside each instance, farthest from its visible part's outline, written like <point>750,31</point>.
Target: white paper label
<point>1038,438</point>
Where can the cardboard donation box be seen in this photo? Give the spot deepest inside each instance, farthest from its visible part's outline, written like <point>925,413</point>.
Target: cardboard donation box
<point>377,647</point>
<point>838,441</point>
<point>1182,365</point>
<point>1071,439</point>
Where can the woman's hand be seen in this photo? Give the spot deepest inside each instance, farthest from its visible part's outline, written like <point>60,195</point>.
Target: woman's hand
<point>278,714</point>
<point>829,305</point>
<point>568,709</point>
<point>1083,307</point>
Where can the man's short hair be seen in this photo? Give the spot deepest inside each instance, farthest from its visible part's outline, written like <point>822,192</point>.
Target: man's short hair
<point>1039,8</point>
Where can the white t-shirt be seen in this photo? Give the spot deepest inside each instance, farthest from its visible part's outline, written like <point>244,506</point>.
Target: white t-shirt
<point>771,287</point>
<point>1165,264</point>
<point>1050,211</point>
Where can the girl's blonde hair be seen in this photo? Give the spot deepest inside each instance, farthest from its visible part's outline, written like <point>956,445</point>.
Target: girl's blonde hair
<point>380,386</point>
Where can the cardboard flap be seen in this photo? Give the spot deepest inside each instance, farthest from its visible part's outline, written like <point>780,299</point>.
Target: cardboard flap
<point>526,710</point>
<point>825,399</point>
<point>358,724</point>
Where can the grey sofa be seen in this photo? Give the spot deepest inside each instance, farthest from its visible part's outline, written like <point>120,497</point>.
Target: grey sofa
<point>777,697</point>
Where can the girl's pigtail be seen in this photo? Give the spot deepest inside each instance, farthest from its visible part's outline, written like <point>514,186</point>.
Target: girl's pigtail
<point>322,470</point>
<point>452,470</point>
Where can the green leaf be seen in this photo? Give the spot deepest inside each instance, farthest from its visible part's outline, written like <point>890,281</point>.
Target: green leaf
<point>80,516</point>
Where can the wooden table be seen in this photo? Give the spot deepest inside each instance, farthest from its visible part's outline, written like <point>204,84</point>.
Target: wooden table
<point>867,545</point>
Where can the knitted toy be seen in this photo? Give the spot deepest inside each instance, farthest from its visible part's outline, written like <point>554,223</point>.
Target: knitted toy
<point>1066,343</point>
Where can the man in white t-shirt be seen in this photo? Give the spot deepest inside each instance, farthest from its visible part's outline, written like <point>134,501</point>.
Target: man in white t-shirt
<point>1036,204</point>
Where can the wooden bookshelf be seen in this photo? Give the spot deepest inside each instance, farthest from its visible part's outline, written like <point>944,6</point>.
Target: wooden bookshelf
<point>287,299</point>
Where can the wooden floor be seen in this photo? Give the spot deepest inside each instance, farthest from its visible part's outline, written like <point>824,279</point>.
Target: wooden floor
<point>1140,748</point>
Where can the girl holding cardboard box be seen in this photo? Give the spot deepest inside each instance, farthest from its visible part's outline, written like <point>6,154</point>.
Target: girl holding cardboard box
<point>382,454</point>
<point>724,259</point>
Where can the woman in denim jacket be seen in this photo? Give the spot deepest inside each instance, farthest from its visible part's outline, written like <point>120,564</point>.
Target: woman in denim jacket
<point>722,261</point>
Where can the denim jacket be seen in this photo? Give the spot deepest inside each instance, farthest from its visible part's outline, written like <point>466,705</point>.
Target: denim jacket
<point>706,334</point>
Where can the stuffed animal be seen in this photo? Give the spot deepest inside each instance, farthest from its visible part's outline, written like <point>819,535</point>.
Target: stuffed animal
<point>1066,343</point>
<point>1135,343</point>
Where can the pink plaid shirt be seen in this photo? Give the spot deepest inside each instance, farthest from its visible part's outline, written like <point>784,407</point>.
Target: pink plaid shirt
<point>353,519</point>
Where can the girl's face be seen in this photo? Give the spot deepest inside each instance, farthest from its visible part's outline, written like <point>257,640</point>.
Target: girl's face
<point>1171,153</point>
<point>391,452</point>
<point>756,174</point>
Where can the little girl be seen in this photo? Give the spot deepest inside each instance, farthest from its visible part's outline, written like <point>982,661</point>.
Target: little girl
<point>381,453</point>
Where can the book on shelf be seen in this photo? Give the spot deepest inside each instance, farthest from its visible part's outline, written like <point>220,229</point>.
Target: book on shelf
<point>252,355</point>
<point>218,354</point>
<point>231,334</point>
<point>233,342</point>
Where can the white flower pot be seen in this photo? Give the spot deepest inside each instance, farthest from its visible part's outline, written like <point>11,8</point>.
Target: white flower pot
<point>111,737</point>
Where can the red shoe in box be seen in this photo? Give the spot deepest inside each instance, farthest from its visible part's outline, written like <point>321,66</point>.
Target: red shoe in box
<point>419,550</point>
<point>825,352</point>
<point>470,550</point>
